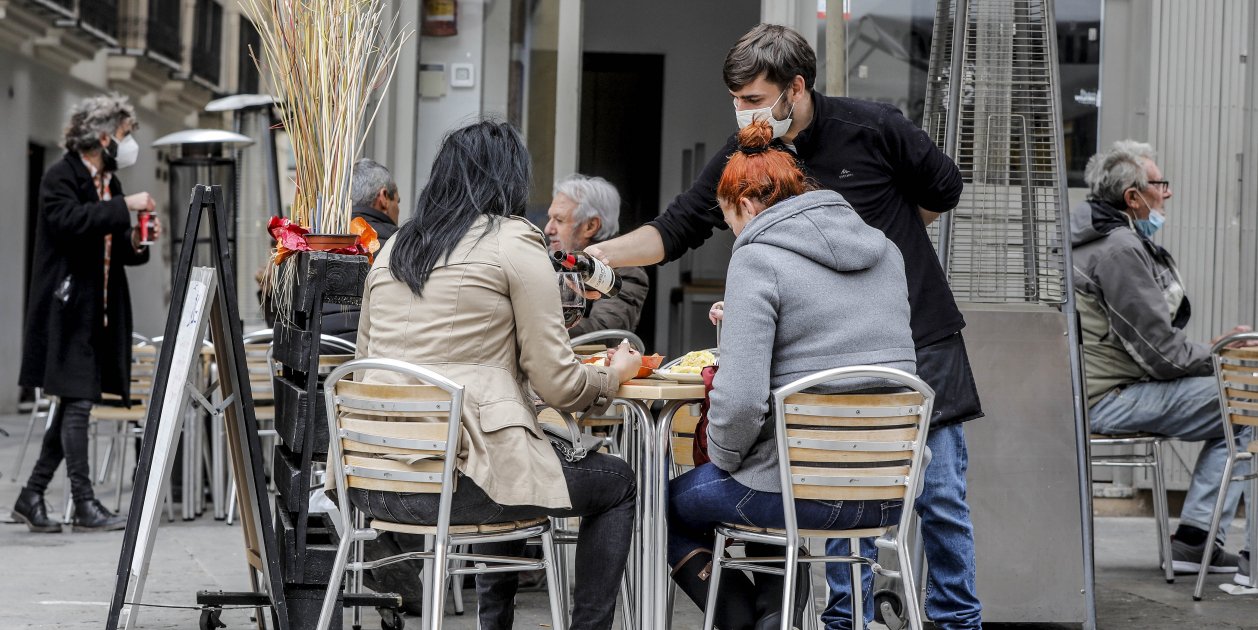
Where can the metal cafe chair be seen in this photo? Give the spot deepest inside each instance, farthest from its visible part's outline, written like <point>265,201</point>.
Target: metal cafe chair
<point>373,427</point>
<point>880,440</point>
<point>125,420</point>
<point>1147,454</point>
<point>1236,370</point>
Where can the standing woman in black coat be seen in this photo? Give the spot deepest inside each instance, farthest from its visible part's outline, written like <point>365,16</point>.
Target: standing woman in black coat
<point>77,342</point>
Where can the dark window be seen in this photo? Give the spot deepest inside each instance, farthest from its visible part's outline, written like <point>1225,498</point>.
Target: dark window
<point>101,15</point>
<point>250,45</point>
<point>207,38</point>
<point>163,29</point>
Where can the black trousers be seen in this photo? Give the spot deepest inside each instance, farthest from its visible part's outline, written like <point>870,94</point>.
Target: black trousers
<point>602,489</point>
<point>66,439</point>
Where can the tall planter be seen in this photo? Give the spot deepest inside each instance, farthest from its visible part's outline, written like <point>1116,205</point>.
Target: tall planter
<point>307,542</point>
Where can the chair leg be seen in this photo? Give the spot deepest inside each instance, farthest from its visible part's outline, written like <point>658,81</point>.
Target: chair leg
<point>908,579</point>
<point>789,568</point>
<point>858,585</point>
<point>554,583</point>
<point>123,437</point>
<point>106,461</point>
<point>360,521</point>
<point>231,502</point>
<point>1251,523</point>
<point>1161,512</point>
<point>26,442</point>
<point>456,586</point>
<point>334,583</point>
<point>628,619</point>
<point>68,514</point>
<point>714,582</point>
<point>1215,518</point>
<point>431,618</point>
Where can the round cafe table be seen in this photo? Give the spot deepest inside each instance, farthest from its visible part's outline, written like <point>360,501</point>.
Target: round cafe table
<point>650,438</point>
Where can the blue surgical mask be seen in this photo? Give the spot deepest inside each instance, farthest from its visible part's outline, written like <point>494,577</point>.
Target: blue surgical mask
<point>1151,225</point>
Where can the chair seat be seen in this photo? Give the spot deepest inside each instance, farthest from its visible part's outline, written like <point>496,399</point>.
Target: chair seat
<point>431,530</point>
<point>119,414</point>
<point>871,532</point>
<point>1148,437</point>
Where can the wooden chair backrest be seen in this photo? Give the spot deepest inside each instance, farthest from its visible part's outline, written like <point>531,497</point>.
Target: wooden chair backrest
<point>261,382</point>
<point>143,371</point>
<point>852,446</point>
<point>1238,376</point>
<point>381,427</point>
<point>683,438</point>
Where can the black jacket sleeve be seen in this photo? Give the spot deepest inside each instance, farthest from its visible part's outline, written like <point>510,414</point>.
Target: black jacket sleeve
<point>926,176</point>
<point>689,219</point>
<point>68,218</point>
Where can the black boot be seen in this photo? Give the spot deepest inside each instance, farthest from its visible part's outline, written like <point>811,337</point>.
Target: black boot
<point>769,593</point>
<point>30,509</point>
<point>735,606</point>
<point>91,516</point>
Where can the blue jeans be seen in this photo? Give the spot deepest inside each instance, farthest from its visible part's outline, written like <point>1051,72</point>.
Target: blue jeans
<point>1188,409</point>
<point>947,537</point>
<point>707,496</point>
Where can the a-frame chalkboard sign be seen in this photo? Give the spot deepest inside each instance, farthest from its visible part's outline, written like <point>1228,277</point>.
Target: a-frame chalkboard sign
<point>244,450</point>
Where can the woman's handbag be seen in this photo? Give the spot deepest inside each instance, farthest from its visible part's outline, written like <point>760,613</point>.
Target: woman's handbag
<point>700,448</point>
<point>571,443</point>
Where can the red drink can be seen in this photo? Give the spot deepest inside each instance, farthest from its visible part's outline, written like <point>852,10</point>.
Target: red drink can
<point>144,219</point>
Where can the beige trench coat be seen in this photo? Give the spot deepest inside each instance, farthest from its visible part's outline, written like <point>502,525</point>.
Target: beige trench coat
<point>490,320</point>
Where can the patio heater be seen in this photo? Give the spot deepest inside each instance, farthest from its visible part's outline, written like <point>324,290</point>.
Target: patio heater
<point>199,156</point>
<point>993,105</point>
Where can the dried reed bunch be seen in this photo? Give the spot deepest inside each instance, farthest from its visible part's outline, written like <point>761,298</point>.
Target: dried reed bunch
<point>324,59</point>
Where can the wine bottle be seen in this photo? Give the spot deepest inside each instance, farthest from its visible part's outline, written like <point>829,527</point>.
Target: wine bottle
<point>594,273</point>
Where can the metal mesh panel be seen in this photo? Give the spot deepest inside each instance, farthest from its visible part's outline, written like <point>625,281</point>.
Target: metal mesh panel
<point>1004,244</point>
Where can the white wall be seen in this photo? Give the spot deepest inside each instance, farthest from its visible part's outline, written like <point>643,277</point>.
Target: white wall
<point>34,106</point>
<point>459,106</point>
<point>693,36</point>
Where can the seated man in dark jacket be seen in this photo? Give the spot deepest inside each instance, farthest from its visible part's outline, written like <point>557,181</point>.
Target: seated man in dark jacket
<point>586,210</point>
<point>375,198</point>
<point>1143,373</point>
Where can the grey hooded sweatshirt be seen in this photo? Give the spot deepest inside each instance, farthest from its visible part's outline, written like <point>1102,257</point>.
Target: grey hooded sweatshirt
<point>810,287</point>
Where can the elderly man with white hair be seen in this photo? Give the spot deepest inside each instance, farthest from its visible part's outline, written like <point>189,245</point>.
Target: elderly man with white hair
<point>1143,373</point>
<point>586,210</point>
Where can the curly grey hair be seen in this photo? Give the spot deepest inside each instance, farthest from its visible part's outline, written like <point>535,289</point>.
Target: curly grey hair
<point>1111,172</point>
<point>93,116</point>
<point>595,197</point>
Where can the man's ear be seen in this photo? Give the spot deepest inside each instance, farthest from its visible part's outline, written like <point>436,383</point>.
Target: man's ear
<point>1132,198</point>
<point>381,202</point>
<point>591,227</point>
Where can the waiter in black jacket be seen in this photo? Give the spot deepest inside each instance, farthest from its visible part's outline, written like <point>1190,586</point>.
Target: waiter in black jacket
<point>898,181</point>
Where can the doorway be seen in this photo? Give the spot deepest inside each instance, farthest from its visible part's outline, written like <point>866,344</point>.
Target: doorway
<point>622,110</point>
<point>35,156</point>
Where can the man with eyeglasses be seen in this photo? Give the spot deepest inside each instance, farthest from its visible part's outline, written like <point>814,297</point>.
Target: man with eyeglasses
<point>1143,373</point>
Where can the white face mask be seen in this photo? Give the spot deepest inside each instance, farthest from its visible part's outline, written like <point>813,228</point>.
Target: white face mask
<point>128,152</point>
<point>779,126</point>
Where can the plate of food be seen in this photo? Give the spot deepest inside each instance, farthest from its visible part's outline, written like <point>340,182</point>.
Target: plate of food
<point>688,368</point>
<point>649,362</point>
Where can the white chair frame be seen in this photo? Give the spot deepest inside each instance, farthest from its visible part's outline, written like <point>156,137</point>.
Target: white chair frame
<point>440,560</point>
<point>790,538</point>
<point>1227,371</point>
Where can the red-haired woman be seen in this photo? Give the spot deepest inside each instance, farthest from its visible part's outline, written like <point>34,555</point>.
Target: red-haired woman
<point>810,287</point>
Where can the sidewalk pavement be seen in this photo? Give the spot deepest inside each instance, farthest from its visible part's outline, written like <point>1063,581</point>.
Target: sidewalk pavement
<point>66,580</point>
